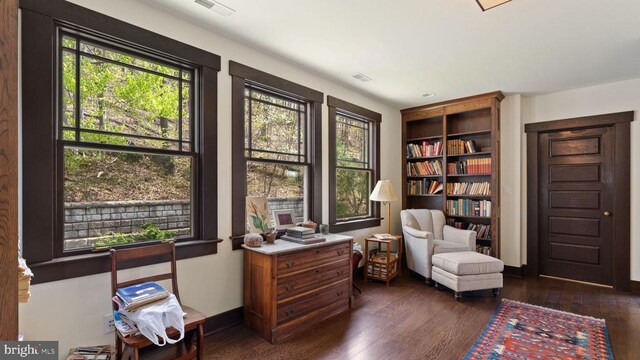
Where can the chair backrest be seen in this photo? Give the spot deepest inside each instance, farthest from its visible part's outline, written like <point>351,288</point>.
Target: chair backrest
<point>424,219</point>
<point>160,251</point>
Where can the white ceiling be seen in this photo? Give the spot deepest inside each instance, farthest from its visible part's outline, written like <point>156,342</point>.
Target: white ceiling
<point>450,47</point>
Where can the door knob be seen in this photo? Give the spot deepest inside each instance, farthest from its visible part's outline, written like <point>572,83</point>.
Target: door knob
<point>606,213</point>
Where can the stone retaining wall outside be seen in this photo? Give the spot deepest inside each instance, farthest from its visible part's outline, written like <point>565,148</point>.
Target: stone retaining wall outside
<point>86,222</point>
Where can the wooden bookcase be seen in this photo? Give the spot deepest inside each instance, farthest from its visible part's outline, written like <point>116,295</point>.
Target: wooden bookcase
<point>474,120</point>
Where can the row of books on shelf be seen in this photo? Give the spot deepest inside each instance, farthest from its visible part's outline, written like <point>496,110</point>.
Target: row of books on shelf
<point>424,187</point>
<point>424,168</point>
<point>460,146</point>
<point>425,149</point>
<point>483,231</point>
<point>478,188</point>
<point>468,207</point>
<point>470,167</point>
<point>486,250</point>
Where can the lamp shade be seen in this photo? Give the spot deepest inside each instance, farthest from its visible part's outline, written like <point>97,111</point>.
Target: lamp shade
<point>383,192</point>
<point>488,4</point>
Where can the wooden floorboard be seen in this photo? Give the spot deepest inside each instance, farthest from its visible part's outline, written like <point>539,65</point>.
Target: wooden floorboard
<point>411,320</point>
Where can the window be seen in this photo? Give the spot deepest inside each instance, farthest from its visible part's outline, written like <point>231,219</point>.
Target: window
<point>120,136</point>
<point>354,151</point>
<point>276,145</point>
<point>124,128</point>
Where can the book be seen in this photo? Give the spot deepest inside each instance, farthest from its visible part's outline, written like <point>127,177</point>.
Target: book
<point>134,296</point>
<point>299,231</point>
<point>384,236</point>
<point>313,240</point>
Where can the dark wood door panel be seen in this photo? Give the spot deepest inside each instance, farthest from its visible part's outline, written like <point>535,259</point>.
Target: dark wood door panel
<point>576,187</point>
<point>567,147</point>
<point>574,226</point>
<point>574,199</point>
<point>576,240</point>
<point>574,253</point>
<point>574,173</point>
<point>577,271</point>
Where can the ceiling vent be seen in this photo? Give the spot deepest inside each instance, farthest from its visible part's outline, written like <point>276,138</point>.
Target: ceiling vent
<point>362,77</point>
<point>216,7</point>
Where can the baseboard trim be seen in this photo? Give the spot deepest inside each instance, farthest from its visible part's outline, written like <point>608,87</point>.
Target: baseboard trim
<point>634,286</point>
<point>224,320</point>
<point>514,271</point>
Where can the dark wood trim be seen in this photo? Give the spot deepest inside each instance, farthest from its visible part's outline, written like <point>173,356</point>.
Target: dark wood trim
<point>38,143</point>
<point>622,205</point>
<point>634,286</point>
<point>42,153</point>
<point>532,205</point>
<point>580,122</point>
<point>240,76</point>
<point>274,82</point>
<point>352,108</point>
<point>97,263</point>
<point>224,320</point>
<point>93,21</point>
<point>335,105</point>
<point>315,137</point>
<point>207,182</point>
<point>238,162</point>
<point>622,226</point>
<point>356,224</point>
<point>236,242</point>
<point>494,94</point>
<point>513,271</point>
<point>9,170</point>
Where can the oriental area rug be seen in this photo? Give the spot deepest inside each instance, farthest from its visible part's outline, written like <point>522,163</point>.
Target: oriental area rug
<point>522,331</point>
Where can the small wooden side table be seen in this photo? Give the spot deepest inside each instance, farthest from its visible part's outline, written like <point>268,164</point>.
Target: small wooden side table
<point>385,265</point>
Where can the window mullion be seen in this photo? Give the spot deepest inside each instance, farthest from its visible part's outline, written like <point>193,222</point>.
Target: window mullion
<point>78,107</point>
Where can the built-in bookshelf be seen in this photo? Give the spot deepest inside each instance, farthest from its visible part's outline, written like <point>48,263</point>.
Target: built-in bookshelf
<point>451,158</point>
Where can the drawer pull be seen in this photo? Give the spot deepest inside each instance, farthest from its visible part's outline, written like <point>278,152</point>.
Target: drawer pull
<point>317,251</point>
<point>340,272</point>
<point>289,264</point>
<point>339,293</point>
<point>340,251</point>
<point>289,287</point>
<point>288,312</point>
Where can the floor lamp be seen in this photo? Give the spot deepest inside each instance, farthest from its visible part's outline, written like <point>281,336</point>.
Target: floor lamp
<point>384,192</point>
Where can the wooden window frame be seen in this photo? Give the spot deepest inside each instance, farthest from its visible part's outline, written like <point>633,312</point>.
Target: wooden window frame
<point>43,226</point>
<point>241,76</point>
<point>344,108</point>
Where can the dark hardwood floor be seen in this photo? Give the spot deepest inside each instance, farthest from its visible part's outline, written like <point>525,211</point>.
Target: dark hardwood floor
<point>410,320</point>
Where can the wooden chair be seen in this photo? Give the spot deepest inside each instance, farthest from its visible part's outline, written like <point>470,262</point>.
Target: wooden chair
<point>133,347</point>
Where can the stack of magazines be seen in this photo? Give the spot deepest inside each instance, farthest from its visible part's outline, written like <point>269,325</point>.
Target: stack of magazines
<point>133,297</point>
<point>302,235</point>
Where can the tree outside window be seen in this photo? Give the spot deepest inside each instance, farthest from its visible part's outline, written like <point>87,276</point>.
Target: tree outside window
<point>125,125</point>
<point>354,151</point>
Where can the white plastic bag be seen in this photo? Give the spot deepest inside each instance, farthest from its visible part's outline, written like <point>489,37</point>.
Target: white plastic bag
<point>153,319</point>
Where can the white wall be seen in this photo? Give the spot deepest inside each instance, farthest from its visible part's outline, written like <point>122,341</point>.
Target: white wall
<point>71,311</point>
<point>510,127</point>
<point>602,99</point>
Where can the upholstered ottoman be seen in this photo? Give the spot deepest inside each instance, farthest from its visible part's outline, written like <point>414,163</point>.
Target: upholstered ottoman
<point>467,271</point>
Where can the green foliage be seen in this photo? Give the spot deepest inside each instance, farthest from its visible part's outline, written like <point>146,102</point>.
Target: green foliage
<point>153,232</point>
<point>114,239</point>
<point>149,232</point>
<point>352,193</point>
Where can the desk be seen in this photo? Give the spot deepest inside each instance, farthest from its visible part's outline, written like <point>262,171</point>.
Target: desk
<point>385,265</point>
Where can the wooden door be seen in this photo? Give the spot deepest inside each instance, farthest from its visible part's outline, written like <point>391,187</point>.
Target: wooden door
<point>576,202</point>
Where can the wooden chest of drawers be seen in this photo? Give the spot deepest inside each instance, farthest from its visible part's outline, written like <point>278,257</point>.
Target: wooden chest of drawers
<point>290,287</point>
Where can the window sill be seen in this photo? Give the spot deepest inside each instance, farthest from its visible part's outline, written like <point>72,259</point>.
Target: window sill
<point>354,225</point>
<point>89,264</point>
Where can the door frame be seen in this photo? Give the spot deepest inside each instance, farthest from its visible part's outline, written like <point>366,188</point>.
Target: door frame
<point>621,123</point>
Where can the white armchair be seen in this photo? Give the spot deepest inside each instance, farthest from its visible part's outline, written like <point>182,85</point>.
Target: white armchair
<point>425,234</point>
